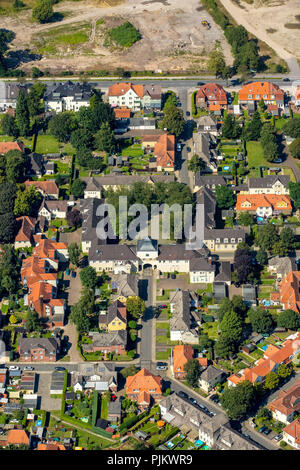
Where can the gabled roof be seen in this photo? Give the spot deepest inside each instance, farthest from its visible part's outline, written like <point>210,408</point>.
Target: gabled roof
<point>260,88</point>
<point>212,92</point>
<point>143,380</point>
<point>288,401</point>
<point>293,429</point>
<point>269,181</point>
<point>17,436</point>
<point>120,89</point>
<point>254,201</point>
<point>7,146</point>
<point>117,310</point>
<point>289,291</point>
<point>164,151</point>
<point>47,187</point>
<point>181,354</point>
<point>26,226</point>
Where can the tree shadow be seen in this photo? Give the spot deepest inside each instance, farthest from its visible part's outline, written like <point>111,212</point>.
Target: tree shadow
<point>16,58</point>
<point>57,16</point>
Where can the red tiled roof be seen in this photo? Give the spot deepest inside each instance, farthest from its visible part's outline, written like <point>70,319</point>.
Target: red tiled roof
<point>248,202</point>
<point>293,429</point>
<point>212,93</point>
<point>46,187</point>
<point>144,380</point>
<point>6,146</point>
<point>260,89</point>
<point>164,151</point>
<point>288,401</point>
<point>26,225</point>
<point>289,291</point>
<point>17,436</point>
<point>181,354</point>
<point>122,113</point>
<point>119,89</point>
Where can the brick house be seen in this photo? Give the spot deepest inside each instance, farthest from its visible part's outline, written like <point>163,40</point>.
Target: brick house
<point>38,349</point>
<point>143,387</point>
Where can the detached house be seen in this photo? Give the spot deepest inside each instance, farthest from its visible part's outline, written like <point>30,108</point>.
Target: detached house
<point>270,184</point>
<point>253,92</point>
<point>53,209</point>
<point>9,93</point>
<point>291,434</point>
<point>26,229</point>
<point>180,322</point>
<point>210,377</point>
<point>287,404</point>
<point>143,387</point>
<point>93,188</point>
<point>48,188</point>
<point>124,286</point>
<point>38,349</point>
<point>67,96</point>
<point>264,205</point>
<point>115,319</point>
<point>134,97</point>
<point>7,146</point>
<point>180,355</point>
<point>288,294</point>
<point>164,152</point>
<point>211,97</point>
<point>113,342</point>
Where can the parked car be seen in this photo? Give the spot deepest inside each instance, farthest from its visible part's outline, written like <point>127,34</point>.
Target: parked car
<point>278,437</point>
<point>262,429</point>
<point>286,79</point>
<point>182,394</point>
<point>67,272</point>
<point>162,306</point>
<point>14,368</point>
<point>214,397</point>
<point>161,366</point>
<point>178,146</point>
<point>28,368</point>
<point>267,431</point>
<point>59,368</point>
<point>173,276</point>
<point>188,113</point>
<point>73,274</point>
<point>192,400</point>
<point>279,160</point>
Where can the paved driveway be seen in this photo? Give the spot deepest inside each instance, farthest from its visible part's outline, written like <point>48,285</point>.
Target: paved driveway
<point>74,288</point>
<point>46,402</point>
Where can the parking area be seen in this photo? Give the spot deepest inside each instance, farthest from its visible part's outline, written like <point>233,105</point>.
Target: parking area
<point>43,381</point>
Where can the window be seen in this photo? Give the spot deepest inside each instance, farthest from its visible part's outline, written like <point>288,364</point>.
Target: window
<point>225,240</point>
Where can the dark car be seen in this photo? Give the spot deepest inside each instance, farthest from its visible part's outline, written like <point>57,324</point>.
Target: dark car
<point>182,394</point>
<point>286,79</point>
<point>262,429</point>
<point>267,431</point>
<point>73,274</point>
<point>214,397</point>
<point>59,368</point>
<point>162,306</point>
<point>192,400</point>
<point>173,276</point>
<point>188,113</point>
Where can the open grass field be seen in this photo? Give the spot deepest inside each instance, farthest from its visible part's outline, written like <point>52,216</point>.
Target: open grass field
<point>255,155</point>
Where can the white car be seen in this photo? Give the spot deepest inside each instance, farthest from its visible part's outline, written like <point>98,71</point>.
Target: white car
<point>178,147</point>
<point>14,368</point>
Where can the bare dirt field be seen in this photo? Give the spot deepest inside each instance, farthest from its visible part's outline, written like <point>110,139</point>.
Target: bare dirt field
<point>173,38</point>
<point>277,23</point>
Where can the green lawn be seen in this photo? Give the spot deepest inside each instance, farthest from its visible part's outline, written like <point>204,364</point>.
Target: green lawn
<point>163,355</point>
<point>211,329</point>
<point>104,407</point>
<point>255,155</point>
<point>165,325</point>
<point>125,35</point>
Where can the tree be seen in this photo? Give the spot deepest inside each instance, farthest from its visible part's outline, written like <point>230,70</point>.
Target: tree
<point>288,239</point>
<point>43,11</point>
<point>261,320</point>
<point>132,324</point>
<point>135,306</point>
<point>292,128</point>
<point>173,120</point>
<point>205,342</point>
<point>34,99</point>
<point>262,257</point>
<point>264,413</point>
<point>224,347</point>
<point>225,197</point>
<point>74,218</point>
<point>105,140</point>
<point>271,381</point>
<point>28,201</point>
<point>83,311</point>
<point>82,139</point>
<point>22,114</point>
<point>288,319</point>
<point>170,99</point>
<point>237,401</point>
<point>61,125</point>
<point>231,327</point>
<point>267,236</point>
<point>15,166</point>
<point>78,187</point>
<point>7,227</point>
<point>8,125</point>
<point>284,371</point>
<point>7,197</point>
<point>32,321</point>
<point>196,164</point>
<point>216,63</point>
<point>252,131</point>
<point>245,219</point>
<point>294,147</point>
<point>36,72</point>
<point>88,277</point>
<point>13,319</point>
<point>230,128</point>
<point>192,370</point>
<point>294,190</point>
<point>224,307</point>
<point>243,263</point>
<point>5,38</point>
<point>74,253</point>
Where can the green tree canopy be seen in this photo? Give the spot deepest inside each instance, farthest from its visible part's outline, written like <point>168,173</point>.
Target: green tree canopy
<point>288,319</point>
<point>42,11</point>
<point>261,320</point>
<point>192,370</point>
<point>225,197</point>
<point>135,306</point>
<point>173,120</point>
<point>88,277</point>
<point>237,401</point>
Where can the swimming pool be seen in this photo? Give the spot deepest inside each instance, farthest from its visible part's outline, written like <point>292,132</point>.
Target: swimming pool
<point>226,168</point>
<point>259,219</point>
<point>264,347</point>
